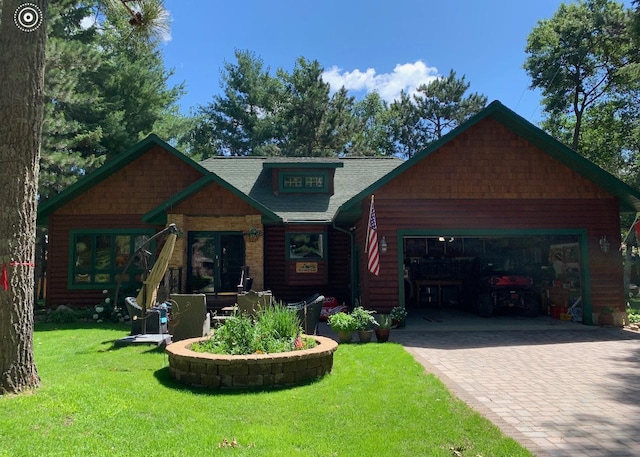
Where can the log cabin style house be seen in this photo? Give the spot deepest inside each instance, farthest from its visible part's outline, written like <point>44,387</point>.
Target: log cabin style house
<point>495,191</point>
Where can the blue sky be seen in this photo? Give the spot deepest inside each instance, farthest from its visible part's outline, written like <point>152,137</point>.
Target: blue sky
<point>365,45</point>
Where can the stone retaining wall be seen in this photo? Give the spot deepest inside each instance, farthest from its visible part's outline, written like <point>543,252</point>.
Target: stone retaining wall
<point>216,371</point>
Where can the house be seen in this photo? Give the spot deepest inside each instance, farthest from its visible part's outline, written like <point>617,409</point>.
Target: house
<point>497,191</point>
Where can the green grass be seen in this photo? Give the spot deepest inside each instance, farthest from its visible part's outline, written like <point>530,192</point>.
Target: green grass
<point>98,400</point>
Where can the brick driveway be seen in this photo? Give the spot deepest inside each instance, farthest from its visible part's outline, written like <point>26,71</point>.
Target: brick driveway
<point>566,390</point>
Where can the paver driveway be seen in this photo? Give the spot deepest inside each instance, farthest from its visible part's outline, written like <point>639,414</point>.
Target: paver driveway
<point>565,391</point>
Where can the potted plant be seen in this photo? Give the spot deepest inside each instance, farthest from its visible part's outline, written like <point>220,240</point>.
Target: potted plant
<point>364,323</point>
<point>382,327</point>
<point>398,315</point>
<point>344,325</point>
<point>252,234</point>
<point>606,316</point>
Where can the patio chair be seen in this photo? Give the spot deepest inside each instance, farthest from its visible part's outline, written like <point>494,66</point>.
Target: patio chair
<point>309,311</point>
<point>154,321</point>
<point>251,302</point>
<point>190,318</point>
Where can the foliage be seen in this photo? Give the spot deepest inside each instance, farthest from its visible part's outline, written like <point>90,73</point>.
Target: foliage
<point>443,106</point>
<point>437,108</point>
<point>634,318</point>
<point>103,92</point>
<point>295,114</point>
<point>364,318</point>
<point>383,321</point>
<point>63,315</point>
<point>398,314</point>
<point>576,58</point>
<point>342,322</point>
<point>276,329</point>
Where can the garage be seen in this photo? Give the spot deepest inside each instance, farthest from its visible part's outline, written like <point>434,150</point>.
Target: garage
<point>495,274</point>
<point>495,201</point>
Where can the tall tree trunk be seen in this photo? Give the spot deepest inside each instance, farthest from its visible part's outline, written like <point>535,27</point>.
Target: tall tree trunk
<point>22,59</point>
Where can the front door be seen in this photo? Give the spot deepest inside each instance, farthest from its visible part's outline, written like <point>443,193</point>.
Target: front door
<point>215,261</point>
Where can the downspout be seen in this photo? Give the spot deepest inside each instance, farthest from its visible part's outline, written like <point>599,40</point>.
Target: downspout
<point>352,247</point>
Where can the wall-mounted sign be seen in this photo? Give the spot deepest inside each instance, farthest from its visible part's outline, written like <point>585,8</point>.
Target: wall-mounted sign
<point>306,267</point>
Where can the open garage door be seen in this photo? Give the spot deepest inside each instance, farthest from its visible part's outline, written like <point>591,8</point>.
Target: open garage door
<point>491,275</point>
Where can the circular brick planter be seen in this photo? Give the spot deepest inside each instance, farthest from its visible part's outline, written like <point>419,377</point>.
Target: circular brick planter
<point>215,371</point>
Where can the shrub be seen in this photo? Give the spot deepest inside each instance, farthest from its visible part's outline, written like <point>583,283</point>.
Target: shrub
<point>276,329</point>
<point>364,318</point>
<point>63,315</point>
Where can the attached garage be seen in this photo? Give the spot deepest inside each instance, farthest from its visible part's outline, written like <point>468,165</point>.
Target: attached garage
<point>497,193</point>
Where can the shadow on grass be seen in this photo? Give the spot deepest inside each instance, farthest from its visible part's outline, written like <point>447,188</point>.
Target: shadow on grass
<point>50,326</point>
<point>163,376</point>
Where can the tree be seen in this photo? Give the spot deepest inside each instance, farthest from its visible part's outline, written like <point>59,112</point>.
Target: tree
<point>373,133</point>
<point>22,65</point>
<point>289,114</point>
<point>239,121</point>
<point>576,57</point>
<point>406,135</point>
<point>21,110</point>
<point>313,123</point>
<point>103,92</point>
<point>442,105</point>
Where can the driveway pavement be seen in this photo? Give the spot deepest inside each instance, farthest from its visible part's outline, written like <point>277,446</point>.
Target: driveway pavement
<point>558,388</point>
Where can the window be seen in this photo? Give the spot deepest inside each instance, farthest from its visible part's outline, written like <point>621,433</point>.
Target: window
<point>306,246</point>
<point>303,182</point>
<point>99,258</point>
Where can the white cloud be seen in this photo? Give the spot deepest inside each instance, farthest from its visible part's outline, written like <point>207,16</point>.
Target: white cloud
<point>407,76</point>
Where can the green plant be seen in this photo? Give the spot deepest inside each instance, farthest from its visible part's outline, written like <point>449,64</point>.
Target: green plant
<point>398,314</point>
<point>364,318</point>
<point>276,329</point>
<point>383,321</point>
<point>634,318</point>
<point>342,322</point>
<point>63,315</point>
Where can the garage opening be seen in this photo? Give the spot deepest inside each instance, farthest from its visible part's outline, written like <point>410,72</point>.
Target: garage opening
<point>491,275</point>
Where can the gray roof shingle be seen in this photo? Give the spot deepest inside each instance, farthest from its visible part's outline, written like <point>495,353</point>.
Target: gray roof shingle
<point>249,175</point>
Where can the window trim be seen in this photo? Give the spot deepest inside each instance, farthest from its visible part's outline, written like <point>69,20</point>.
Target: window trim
<point>323,240</point>
<point>304,174</point>
<point>113,270</point>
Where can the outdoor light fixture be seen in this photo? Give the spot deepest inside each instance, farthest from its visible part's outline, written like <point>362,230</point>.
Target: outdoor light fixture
<point>604,244</point>
<point>383,245</point>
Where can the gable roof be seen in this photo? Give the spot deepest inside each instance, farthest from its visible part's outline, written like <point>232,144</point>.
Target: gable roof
<point>249,178</point>
<point>253,177</point>
<point>628,196</point>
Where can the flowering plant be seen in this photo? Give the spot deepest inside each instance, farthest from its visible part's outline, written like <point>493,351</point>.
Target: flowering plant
<point>252,232</point>
<point>398,314</point>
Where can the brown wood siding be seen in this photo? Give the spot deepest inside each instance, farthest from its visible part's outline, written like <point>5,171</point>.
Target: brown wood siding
<point>214,200</point>
<point>490,161</point>
<point>277,274</point>
<point>598,216</point>
<point>490,178</point>
<point>58,262</point>
<point>137,188</point>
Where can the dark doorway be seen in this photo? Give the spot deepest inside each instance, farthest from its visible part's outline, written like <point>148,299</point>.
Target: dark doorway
<point>215,261</point>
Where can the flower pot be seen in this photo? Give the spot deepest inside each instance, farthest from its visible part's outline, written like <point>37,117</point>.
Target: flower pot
<point>344,336</point>
<point>605,319</point>
<point>365,335</point>
<point>382,334</point>
<point>397,323</point>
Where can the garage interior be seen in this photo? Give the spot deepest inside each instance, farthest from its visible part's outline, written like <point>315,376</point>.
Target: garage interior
<point>446,272</point>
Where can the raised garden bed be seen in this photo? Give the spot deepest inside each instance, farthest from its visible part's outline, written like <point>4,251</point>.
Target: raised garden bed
<point>215,371</point>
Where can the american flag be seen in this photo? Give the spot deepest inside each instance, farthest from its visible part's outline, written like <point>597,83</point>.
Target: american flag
<point>373,260</point>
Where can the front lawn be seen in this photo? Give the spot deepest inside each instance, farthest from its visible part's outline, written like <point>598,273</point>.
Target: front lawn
<point>99,400</point>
